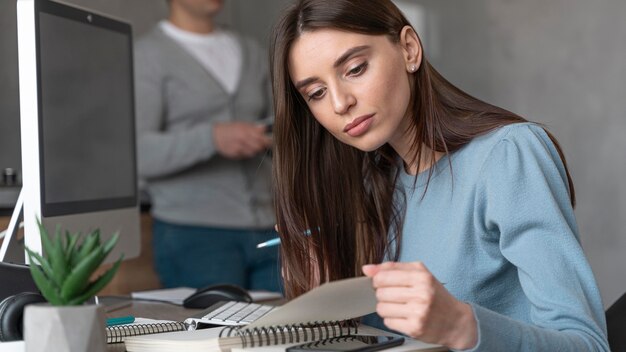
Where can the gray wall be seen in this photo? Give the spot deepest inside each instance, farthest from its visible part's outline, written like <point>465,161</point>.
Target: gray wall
<point>559,62</point>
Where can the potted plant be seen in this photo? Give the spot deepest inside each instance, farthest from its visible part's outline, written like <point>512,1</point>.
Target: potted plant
<point>64,278</point>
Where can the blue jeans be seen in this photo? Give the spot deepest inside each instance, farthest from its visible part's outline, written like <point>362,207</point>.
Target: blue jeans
<point>196,256</point>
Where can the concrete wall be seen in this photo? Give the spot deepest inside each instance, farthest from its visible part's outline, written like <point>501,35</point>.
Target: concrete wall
<point>559,62</point>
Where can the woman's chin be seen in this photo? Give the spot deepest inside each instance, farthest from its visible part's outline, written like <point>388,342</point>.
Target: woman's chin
<point>365,145</point>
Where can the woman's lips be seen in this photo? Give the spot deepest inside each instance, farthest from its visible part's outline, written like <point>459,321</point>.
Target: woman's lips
<point>359,126</point>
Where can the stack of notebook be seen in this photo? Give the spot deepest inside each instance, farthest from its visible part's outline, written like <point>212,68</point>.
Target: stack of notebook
<point>319,314</point>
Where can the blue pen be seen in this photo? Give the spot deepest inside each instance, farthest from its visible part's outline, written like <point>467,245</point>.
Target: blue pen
<point>120,320</point>
<point>276,241</point>
<point>270,243</point>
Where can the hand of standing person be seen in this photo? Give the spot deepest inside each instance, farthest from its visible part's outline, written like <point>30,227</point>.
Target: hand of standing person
<point>412,301</point>
<point>240,140</point>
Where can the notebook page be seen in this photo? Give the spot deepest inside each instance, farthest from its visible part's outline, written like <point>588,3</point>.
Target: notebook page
<point>189,341</point>
<point>12,346</point>
<point>337,300</point>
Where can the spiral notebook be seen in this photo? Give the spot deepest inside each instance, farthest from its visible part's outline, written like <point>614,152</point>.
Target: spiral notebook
<point>142,326</point>
<point>318,314</point>
<point>229,338</point>
<point>220,314</point>
<point>409,345</point>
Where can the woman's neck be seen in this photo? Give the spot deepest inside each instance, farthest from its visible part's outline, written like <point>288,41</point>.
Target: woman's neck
<point>426,161</point>
<point>403,145</point>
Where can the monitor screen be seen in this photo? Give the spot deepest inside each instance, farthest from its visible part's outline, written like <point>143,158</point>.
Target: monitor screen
<point>77,124</point>
<point>86,116</point>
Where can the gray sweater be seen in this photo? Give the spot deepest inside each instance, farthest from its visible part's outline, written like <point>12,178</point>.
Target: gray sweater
<point>177,103</point>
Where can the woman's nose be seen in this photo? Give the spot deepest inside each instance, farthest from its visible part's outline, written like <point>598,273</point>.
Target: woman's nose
<point>342,101</point>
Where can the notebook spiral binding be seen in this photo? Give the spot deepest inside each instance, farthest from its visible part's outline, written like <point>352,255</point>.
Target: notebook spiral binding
<point>117,333</point>
<point>294,333</point>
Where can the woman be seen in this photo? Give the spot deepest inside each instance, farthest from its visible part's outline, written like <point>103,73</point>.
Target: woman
<point>379,158</point>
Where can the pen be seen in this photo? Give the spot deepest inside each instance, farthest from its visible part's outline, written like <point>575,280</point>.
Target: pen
<point>276,241</point>
<point>270,243</point>
<point>120,320</point>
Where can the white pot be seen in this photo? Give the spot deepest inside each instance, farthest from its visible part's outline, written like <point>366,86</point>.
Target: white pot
<point>64,328</point>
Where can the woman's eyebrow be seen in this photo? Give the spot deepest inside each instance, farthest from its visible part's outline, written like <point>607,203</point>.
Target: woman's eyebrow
<point>343,58</point>
<point>305,82</point>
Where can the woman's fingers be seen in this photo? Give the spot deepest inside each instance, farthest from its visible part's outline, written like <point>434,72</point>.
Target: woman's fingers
<point>370,270</point>
<point>392,310</point>
<point>412,301</point>
<point>403,278</point>
<point>403,294</point>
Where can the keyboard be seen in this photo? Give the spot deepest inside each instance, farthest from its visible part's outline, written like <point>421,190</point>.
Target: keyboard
<point>229,313</point>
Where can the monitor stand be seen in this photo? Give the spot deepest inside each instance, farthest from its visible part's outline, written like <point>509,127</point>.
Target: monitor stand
<point>15,277</point>
<point>12,251</point>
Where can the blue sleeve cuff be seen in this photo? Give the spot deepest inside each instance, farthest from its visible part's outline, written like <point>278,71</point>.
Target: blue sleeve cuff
<point>478,331</point>
<point>496,332</point>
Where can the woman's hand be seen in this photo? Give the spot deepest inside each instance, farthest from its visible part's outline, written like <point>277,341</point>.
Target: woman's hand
<point>412,301</point>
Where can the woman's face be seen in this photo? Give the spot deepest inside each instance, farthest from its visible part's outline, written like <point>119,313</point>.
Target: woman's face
<point>356,85</point>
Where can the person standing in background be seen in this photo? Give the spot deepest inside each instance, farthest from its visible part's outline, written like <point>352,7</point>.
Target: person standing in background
<point>203,107</point>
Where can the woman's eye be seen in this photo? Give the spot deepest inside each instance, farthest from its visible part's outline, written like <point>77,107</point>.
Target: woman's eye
<point>358,70</point>
<point>317,94</point>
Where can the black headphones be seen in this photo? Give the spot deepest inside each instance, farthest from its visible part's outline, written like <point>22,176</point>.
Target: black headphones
<point>12,314</point>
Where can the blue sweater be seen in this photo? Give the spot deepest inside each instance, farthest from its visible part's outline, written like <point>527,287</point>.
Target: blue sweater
<point>500,232</point>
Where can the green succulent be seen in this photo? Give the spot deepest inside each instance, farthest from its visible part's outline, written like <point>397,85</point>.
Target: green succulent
<point>63,276</point>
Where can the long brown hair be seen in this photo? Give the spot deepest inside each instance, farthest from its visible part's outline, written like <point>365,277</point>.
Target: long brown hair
<point>334,204</point>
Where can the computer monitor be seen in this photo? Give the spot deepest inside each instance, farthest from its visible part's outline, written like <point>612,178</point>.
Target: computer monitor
<point>77,124</point>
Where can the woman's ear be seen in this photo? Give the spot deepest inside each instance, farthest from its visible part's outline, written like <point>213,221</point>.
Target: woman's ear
<point>412,48</point>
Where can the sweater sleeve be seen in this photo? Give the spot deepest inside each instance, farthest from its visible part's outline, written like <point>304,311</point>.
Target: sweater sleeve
<point>161,152</point>
<point>527,207</point>
<point>258,58</point>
